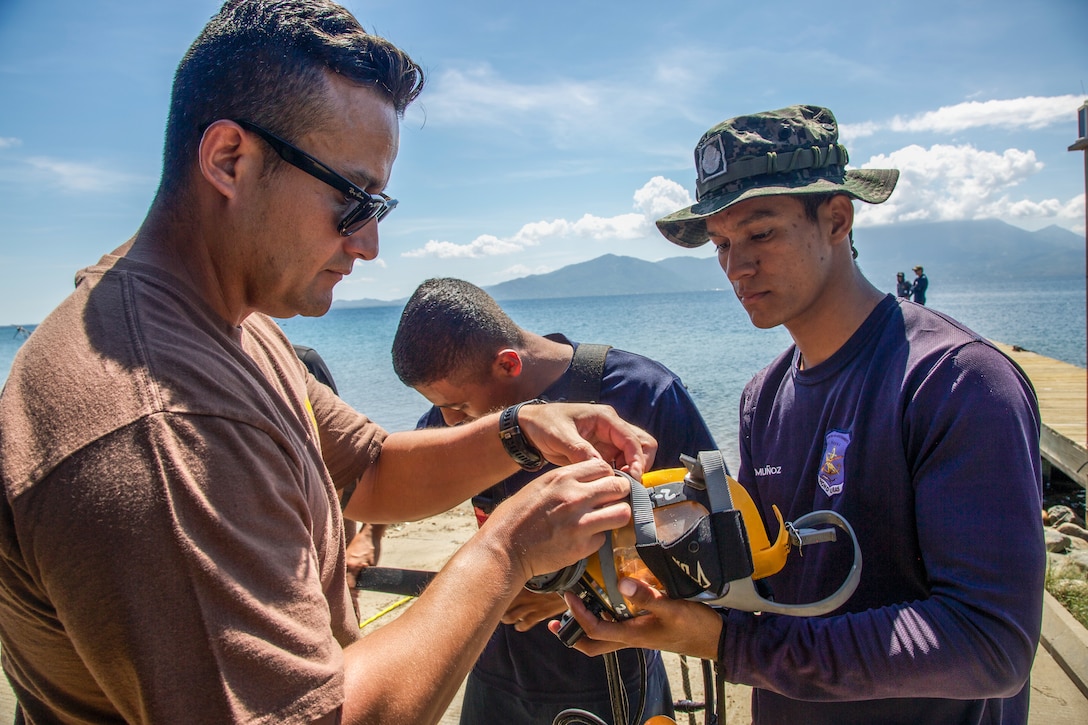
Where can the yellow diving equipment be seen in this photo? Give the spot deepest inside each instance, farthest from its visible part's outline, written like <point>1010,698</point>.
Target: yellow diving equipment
<point>695,533</point>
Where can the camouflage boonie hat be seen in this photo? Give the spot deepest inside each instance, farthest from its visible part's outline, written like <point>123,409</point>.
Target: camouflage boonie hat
<point>793,150</point>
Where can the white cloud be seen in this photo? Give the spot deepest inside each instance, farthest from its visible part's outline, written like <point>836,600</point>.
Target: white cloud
<point>661,196</point>
<point>80,177</point>
<point>485,245</point>
<point>945,182</point>
<point>657,197</point>
<point>1033,112</point>
<point>1030,112</point>
<point>9,142</point>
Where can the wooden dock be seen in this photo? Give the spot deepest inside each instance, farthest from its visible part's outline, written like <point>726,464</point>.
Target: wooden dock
<point>1063,403</point>
<point>1060,675</point>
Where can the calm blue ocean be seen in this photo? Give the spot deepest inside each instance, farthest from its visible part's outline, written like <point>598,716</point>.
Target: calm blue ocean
<point>705,337</point>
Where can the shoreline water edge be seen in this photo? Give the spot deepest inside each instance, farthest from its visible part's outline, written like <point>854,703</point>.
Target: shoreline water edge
<point>705,337</point>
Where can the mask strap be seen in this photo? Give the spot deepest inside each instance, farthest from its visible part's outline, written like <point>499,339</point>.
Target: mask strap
<point>610,578</point>
<point>642,513</point>
<point>642,518</point>
<point>717,485</point>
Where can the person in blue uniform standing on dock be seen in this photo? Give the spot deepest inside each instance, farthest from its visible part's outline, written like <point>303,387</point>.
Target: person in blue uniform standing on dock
<point>902,286</point>
<point>919,286</point>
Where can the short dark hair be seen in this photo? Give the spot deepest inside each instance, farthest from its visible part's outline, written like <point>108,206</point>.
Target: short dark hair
<point>812,204</point>
<point>265,61</point>
<point>450,328</point>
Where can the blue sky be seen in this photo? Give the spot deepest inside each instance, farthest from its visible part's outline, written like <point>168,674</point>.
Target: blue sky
<point>554,132</point>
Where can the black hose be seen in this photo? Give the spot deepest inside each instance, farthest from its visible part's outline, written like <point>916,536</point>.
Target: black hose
<point>719,686</point>
<point>617,694</point>
<point>574,716</point>
<point>709,691</point>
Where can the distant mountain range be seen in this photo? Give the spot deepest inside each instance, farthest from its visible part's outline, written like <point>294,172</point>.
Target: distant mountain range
<point>982,249</point>
<point>949,251</point>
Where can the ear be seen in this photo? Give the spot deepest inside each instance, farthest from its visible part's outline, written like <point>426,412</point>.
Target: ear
<point>222,149</point>
<point>507,363</point>
<point>840,215</point>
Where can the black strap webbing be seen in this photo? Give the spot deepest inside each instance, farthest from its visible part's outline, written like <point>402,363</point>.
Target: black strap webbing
<point>587,368</point>
<point>406,582</point>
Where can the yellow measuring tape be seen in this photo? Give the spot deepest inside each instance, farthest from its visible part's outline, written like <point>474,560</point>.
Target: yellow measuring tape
<point>385,611</point>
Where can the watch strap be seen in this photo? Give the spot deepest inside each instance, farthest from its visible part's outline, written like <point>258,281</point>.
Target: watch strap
<point>514,440</point>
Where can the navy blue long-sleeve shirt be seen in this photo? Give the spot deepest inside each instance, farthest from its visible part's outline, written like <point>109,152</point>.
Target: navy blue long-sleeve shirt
<point>926,439</point>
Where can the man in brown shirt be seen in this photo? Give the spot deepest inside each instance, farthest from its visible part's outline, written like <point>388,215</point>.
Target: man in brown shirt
<point>171,544</point>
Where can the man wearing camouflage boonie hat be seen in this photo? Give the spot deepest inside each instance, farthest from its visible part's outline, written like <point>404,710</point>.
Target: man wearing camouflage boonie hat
<point>895,416</point>
<point>792,151</point>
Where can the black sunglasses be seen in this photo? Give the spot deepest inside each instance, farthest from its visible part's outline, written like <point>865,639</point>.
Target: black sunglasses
<point>368,206</point>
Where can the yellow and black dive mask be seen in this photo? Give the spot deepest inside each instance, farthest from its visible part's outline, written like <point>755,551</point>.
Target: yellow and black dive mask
<point>696,534</point>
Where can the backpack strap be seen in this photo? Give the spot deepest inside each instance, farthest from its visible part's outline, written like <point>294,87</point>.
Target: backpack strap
<point>587,368</point>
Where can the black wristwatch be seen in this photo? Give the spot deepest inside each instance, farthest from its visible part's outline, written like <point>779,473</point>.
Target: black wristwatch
<point>514,441</point>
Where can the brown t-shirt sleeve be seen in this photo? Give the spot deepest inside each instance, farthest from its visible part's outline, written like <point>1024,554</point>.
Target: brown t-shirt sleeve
<point>350,441</point>
<point>218,599</point>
